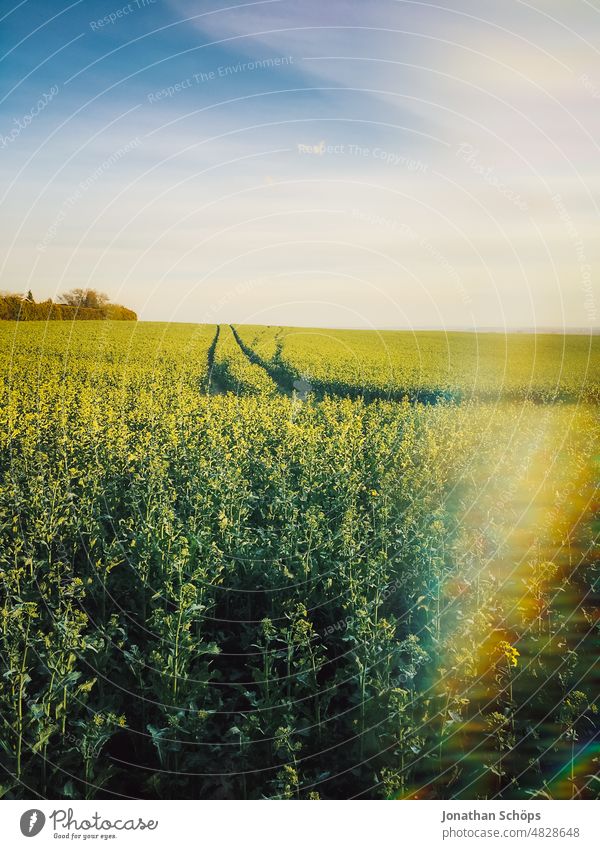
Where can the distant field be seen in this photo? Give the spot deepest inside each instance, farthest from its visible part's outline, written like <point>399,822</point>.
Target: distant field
<point>357,363</point>
<point>459,365</point>
<point>249,562</point>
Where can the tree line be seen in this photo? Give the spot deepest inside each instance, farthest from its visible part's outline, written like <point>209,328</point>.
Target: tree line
<point>77,304</point>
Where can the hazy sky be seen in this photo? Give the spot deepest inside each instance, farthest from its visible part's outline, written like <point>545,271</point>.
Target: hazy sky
<point>389,163</point>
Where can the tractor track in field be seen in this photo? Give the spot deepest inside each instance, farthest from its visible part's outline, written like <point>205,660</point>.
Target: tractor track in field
<point>213,387</point>
<point>275,375</point>
<point>291,386</point>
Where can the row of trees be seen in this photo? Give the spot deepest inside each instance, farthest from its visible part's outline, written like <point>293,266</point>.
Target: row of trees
<point>78,304</point>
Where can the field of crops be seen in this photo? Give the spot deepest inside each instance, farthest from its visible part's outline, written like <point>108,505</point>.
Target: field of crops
<point>433,365</point>
<point>213,586</point>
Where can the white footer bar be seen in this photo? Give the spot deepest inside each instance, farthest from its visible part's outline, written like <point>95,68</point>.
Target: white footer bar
<point>301,824</point>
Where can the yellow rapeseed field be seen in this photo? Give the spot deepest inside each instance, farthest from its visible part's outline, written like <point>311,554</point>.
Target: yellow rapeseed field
<point>214,586</point>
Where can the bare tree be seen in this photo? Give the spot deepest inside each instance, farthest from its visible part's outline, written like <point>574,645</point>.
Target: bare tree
<point>85,298</point>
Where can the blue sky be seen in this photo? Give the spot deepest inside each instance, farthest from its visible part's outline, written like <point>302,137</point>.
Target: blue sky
<point>386,164</point>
